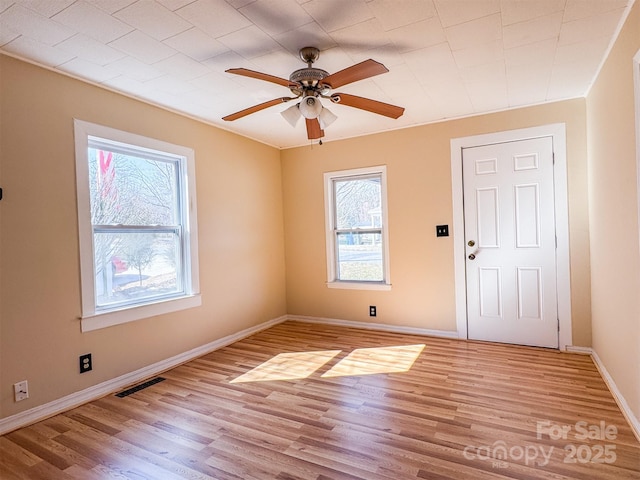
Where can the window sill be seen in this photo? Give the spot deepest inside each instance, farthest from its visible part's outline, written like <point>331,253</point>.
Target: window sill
<point>117,317</point>
<point>359,285</point>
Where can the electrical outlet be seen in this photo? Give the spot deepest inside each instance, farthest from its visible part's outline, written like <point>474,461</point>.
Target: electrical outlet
<point>372,310</point>
<point>21,390</point>
<point>85,363</point>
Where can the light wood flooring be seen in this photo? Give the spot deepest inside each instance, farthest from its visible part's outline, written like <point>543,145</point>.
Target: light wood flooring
<point>341,403</point>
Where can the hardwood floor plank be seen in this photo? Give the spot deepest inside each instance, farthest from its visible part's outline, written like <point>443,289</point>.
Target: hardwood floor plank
<point>30,440</point>
<point>17,454</point>
<point>126,458</point>
<point>79,473</point>
<point>435,408</point>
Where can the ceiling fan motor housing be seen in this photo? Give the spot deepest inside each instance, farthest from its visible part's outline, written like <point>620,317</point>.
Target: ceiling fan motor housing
<point>308,79</point>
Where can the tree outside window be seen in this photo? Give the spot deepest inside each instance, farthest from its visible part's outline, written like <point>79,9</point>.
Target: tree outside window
<point>135,215</point>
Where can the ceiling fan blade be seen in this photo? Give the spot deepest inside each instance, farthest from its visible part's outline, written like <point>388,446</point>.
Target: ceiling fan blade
<point>257,108</point>
<point>367,104</point>
<point>313,129</point>
<point>359,71</point>
<point>261,76</point>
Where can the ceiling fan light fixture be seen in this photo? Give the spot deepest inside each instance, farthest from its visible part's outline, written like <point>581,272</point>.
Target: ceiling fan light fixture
<point>292,115</point>
<point>326,118</point>
<point>310,107</point>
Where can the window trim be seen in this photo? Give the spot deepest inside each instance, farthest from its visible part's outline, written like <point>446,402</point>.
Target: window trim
<point>329,198</point>
<point>93,318</point>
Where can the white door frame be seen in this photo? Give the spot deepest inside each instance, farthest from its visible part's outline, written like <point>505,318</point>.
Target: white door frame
<point>557,133</point>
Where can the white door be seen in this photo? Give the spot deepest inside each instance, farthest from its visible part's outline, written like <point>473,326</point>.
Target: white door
<point>511,242</point>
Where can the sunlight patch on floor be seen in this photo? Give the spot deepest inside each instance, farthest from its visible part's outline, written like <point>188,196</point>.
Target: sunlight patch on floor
<point>362,361</point>
<point>368,361</point>
<point>288,366</point>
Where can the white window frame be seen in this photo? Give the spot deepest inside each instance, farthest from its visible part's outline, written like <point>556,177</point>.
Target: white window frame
<point>92,317</point>
<point>329,197</point>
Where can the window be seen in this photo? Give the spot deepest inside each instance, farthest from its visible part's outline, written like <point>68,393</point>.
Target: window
<point>357,245</point>
<point>137,226</point>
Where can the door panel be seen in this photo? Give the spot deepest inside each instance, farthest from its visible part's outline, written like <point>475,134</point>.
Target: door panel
<point>488,217</point>
<point>530,293</point>
<point>527,218</point>
<point>510,234</point>
<point>490,292</point>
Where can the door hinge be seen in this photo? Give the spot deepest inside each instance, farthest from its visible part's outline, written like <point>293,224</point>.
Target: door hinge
<point>553,158</point>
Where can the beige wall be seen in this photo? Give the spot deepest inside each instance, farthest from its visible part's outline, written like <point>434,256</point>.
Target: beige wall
<point>277,218</point>
<point>613,196</point>
<point>419,194</point>
<point>240,237</point>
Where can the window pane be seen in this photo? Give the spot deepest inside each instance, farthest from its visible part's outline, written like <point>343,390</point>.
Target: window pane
<point>128,190</point>
<point>136,266</point>
<point>358,203</point>
<point>360,257</point>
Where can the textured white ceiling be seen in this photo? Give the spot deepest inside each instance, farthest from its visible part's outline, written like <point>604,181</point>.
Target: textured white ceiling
<point>447,58</point>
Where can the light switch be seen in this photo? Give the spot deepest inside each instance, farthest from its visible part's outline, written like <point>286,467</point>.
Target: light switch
<point>442,230</point>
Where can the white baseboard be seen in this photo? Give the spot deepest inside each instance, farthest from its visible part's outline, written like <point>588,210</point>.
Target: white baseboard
<point>375,326</point>
<point>617,395</point>
<point>76,399</point>
<point>580,350</point>
<point>611,385</point>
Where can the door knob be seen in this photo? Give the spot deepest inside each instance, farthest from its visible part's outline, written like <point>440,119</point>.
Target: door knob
<point>472,256</point>
<point>471,243</point>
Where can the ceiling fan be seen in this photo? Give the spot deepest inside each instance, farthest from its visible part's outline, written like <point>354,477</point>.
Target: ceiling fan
<point>310,85</point>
